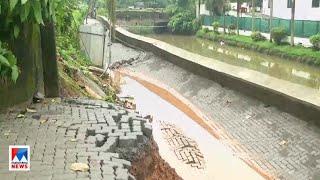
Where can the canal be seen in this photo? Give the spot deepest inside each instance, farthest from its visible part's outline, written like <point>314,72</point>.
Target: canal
<point>277,67</point>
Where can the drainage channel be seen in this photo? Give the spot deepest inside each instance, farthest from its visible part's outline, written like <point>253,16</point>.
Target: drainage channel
<point>183,137</point>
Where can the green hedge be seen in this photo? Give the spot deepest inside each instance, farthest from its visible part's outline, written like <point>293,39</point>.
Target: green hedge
<point>296,53</point>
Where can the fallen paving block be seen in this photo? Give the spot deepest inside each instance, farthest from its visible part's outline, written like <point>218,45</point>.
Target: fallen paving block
<point>147,129</point>
<point>100,139</point>
<point>110,144</point>
<point>139,135</point>
<point>126,164</point>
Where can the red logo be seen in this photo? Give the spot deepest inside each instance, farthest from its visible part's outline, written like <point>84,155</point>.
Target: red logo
<point>19,158</point>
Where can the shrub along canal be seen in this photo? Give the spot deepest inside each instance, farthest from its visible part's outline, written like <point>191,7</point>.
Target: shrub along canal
<point>280,68</point>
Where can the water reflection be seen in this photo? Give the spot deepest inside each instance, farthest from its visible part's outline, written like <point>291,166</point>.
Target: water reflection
<point>273,66</point>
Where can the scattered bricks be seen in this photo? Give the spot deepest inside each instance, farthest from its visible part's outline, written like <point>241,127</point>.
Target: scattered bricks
<point>125,126</point>
<point>128,141</point>
<point>147,129</point>
<point>136,128</point>
<point>100,139</point>
<point>110,144</point>
<point>142,120</point>
<point>126,164</point>
<point>138,134</point>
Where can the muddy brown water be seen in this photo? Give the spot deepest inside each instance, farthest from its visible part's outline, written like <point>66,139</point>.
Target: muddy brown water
<point>277,67</point>
<point>220,162</point>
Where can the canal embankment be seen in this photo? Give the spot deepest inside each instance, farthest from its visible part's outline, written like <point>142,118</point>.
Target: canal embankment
<point>302,101</point>
<point>294,53</point>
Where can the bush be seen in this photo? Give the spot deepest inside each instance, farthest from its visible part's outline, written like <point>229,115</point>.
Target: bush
<point>257,36</point>
<point>205,30</point>
<point>196,24</point>
<point>231,29</point>
<point>182,23</point>
<point>315,41</point>
<point>215,26</point>
<point>278,34</point>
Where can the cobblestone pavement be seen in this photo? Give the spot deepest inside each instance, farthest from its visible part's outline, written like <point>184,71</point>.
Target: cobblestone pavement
<point>70,131</point>
<point>276,142</point>
<point>185,149</point>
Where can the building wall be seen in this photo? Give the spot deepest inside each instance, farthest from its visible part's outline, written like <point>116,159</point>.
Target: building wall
<point>203,9</point>
<point>304,10</point>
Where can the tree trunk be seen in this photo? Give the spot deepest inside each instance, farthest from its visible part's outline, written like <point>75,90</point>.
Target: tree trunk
<point>49,60</point>
<point>252,18</point>
<point>293,8</point>
<point>112,17</point>
<point>199,3</point>
<point>271,18</point>
<point>238,11</point>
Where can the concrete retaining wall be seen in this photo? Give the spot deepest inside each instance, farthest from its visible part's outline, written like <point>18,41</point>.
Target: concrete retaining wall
<point>298,100</point>
<point>92,40</point>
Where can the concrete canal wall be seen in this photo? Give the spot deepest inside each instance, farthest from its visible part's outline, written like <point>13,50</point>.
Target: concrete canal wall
<point>295,99</point>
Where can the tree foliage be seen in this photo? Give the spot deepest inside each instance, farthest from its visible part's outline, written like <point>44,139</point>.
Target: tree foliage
<point>215,6</point>
<point>8,65</point>
<point>183,23</point>
<point>13,13</point>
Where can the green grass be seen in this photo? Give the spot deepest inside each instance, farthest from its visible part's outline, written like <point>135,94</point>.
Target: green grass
<point>297,53</point>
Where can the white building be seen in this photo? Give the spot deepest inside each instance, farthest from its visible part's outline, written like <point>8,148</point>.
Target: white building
<point>203,9</point>
<point>305,9</point>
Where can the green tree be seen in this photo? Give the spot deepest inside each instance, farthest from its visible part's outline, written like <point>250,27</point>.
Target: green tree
<point>215,7</point>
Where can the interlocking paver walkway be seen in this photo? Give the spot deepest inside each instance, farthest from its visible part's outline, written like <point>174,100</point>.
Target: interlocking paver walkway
<point>74,130</point>
<point>185,149</point>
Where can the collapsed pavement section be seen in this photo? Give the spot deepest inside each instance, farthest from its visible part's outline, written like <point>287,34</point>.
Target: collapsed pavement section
<point>60,134</point>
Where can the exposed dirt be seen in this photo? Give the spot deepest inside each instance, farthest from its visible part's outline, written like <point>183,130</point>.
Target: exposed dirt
<point>148,165</point>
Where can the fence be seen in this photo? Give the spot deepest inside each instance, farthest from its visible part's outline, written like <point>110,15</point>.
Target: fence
<point>303,28</point>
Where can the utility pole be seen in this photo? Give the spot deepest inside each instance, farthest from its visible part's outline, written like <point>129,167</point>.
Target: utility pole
<point>270,18</point>
<point>238,11</point>
<point>252,16</point>
<point>293,8</point>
